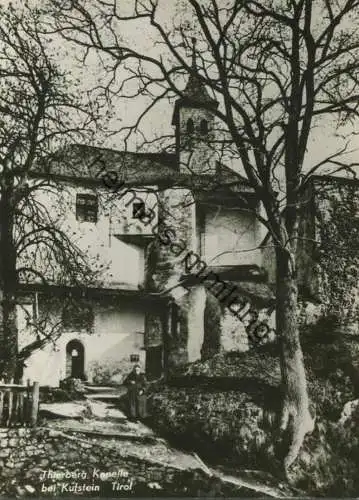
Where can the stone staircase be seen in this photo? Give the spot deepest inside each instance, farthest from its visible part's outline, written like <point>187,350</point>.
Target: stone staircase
<point>107,394</point>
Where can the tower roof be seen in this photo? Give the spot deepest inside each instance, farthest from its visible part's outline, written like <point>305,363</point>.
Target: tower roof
<point>195,93</point>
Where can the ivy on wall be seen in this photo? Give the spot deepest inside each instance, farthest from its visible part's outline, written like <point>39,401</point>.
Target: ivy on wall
<point>337,253</point>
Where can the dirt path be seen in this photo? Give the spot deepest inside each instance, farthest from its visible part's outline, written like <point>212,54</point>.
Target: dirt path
<point>108,426</point>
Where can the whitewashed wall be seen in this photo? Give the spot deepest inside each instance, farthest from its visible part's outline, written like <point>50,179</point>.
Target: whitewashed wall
<point>118,333</point>
<point>231,237</point>
<point>120,262</point>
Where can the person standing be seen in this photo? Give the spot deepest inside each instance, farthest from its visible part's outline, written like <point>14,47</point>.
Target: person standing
<point>136,384</point>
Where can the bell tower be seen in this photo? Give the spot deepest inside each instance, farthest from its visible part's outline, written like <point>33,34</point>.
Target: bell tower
<point>193,119</point>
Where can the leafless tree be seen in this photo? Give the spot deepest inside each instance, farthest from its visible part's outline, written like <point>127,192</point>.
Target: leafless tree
<point>277,68</point>
<point>38,115</point>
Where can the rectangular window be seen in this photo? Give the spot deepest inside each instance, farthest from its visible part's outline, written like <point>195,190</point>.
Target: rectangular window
<point>77,317</point>
<point>138,210</point>
<point>134,358</point>
<point>86,207</point>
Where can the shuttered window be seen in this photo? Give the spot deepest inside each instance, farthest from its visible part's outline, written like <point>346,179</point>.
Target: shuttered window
<point>86,207</point>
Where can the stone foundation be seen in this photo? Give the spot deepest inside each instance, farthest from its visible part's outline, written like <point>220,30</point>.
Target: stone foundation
<point>44,462</point>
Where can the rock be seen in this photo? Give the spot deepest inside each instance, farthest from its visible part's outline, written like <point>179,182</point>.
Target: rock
<point>64,410</point>
<point>8,472</point>
<point>309,312</point>
<point>154,486</point>
<point>52,433</point>
<point>116,414</point>
<point>20,491</point>
<point>97,408</point>
<point>30,489</point>
<point>349,408</point>
<point>101,410</point>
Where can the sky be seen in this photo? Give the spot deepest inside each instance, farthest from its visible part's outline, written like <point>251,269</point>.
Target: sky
<point>324,140</point>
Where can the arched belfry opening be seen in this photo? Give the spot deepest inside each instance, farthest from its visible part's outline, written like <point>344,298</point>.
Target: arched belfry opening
<point>75,359</point>
<point>203,127</point>
<point>190,126</point>
<point>193,117</point>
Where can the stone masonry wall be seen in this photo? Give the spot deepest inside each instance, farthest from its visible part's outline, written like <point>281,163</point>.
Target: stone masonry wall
<point>178,217</point>
<point>179,237</point>
<point>197,150</point>
<point>42,462</point>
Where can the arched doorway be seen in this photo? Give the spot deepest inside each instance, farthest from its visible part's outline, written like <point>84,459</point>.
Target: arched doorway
<point>75,359</point>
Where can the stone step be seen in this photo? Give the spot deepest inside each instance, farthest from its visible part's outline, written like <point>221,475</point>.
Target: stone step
<point>100,388</point>
<point>107,397</point>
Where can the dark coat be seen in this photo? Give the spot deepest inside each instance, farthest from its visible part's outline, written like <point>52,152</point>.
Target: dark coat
<point>137,403</point>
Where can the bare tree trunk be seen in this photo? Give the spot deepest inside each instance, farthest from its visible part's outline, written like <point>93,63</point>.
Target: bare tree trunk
<point>9,337</point>
<point>10,340</point>
<point>295,416</point>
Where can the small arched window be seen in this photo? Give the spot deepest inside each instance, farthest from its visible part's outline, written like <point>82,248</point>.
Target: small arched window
<point>190,126</point>
<point>204,127</point>
<point>75,359</point>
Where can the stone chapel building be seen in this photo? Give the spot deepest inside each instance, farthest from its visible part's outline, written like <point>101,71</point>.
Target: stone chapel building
<point>160,299</point>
